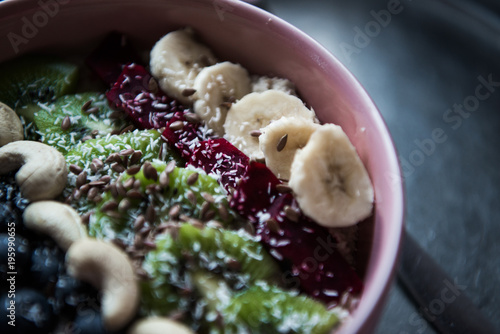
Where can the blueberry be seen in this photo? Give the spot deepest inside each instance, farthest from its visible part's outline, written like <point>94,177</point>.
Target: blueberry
<point>70,293</point>
<point>14,255</point>
<point>47,261</point>
<point>33,312</point>
<point>88,321</point>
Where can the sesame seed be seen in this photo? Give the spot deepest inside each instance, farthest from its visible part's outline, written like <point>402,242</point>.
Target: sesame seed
<point>282,143</point>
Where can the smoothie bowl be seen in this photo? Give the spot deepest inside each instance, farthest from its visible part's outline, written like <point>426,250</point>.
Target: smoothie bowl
<point>194,166</point>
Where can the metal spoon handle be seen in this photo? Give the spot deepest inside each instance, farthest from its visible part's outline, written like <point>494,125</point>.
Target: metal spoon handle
<point>442,301</point>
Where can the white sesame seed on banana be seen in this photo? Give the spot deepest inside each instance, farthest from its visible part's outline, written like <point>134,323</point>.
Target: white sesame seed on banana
<point>281,139</point>
<point>257,110</point>
<point>217,87</point>
<point>329,180</point>
<point>176,59</point>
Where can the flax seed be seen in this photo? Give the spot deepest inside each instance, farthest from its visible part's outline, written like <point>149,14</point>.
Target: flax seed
<point>192,118</point>
<point>188,91</point>
<point>86,105</point>
<point>282,143</point>
<point>255,133</point>
<point>192,178</point>
<point>75,169</point>
<point>66,123</point>
<point>177,125</point>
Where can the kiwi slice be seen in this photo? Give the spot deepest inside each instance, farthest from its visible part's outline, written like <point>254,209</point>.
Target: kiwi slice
<point>153,194</point>
<point>148,142</point>
<point>268,309</point>
<point>36,78</point>
<point>70,118</point>
<point>197,259</point>
<point>241,259</point>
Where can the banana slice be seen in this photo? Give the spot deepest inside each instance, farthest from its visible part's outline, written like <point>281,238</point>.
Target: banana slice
<point>217,86</point>
<point>257,110</point>
<point>281,139</point>
<point>329,180</point>
<point>176,60</point>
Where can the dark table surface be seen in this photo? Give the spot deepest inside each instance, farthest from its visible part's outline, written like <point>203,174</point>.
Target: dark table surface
<point>427,67</point>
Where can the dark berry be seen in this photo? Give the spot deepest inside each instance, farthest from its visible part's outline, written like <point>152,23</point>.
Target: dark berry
<point>183,139</point>
<point>137,94</point>
<point>33,312</point>
<point>108,59</point>
<point>47,261</point>
<point>255,192</point>
<point>88,321</point>
<point>15,256</point>
<point>220,157</point>
<point>311,251</point>
<point>305,249</point>
<point>69,293</point>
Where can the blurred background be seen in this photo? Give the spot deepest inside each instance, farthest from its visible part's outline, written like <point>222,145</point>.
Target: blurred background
<point>433,70</point>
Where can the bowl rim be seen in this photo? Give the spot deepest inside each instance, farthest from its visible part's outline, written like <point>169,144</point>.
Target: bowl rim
<point>364,317</point>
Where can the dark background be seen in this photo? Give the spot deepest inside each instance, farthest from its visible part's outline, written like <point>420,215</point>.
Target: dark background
<point>423,61</point>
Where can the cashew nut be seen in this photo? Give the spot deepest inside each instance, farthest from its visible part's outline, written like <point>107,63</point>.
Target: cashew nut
<point>57,220</point>
<point>42,169</point>
<point>109,269</point>
<point>158,325</point>
<point>11,128</point>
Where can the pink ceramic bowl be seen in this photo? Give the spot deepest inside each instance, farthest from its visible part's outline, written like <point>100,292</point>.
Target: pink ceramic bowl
<point>264,44</point>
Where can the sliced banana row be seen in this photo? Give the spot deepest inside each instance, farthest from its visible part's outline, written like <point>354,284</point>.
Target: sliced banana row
<point>263,118</point>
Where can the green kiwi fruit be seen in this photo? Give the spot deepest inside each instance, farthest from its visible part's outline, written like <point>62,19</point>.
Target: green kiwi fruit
<point>36,78</point>
<point>65,122</point>
<point>268,309</point>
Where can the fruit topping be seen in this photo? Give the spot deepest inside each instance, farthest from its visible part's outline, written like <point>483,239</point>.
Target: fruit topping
<point>184,132</point>
<point>137,93</point>
<point>74,118</point>
<point>36,78</point>
<point>109,58</point>
<point>310,250</point>
<point>268,309</point>
<point>255,192</point>
<point>220,158</point>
